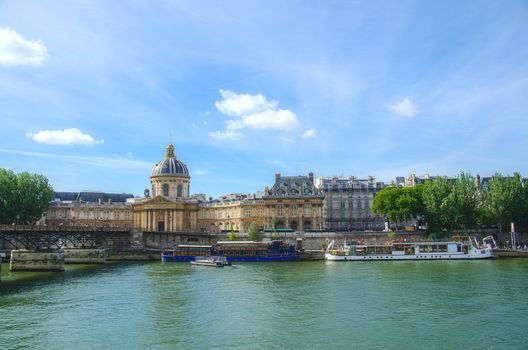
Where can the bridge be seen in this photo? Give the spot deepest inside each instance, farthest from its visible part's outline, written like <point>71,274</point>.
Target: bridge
<point>40,237</point>
<point>39,247</point>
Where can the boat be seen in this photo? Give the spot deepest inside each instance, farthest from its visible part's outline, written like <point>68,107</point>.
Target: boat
<point>235,251</point>
<point>187,252</point>
<point>216,261</point>
<point>257,251</point>
<point>461,247</point>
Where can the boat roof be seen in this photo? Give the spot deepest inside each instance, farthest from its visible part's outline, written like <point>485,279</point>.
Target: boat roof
<point>242,242</point>
<point>193,246</point>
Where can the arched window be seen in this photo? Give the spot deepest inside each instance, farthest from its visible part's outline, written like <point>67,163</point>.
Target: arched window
<point>179,192</point>
<point>166,190</point>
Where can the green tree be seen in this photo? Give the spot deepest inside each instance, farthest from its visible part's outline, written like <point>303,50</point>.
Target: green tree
<point>505,201</point>
<point>252,231</point>
<point>232,236</point>
<point>24,197</point>
<point>439,208</point>
<point>466,200</point>
<point>399,204</point>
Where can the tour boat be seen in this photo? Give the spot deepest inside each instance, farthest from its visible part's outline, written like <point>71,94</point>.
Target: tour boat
<point>235,251</point>
<point>216,261</point>
<point>459,248</point>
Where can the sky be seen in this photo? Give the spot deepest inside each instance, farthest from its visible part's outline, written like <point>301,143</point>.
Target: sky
<point>91,92</point>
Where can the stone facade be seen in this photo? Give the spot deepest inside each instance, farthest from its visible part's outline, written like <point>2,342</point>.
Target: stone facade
<point>348,203</point>
<point>170,209</point>
<point>89,209</point>
<point>293,203</point>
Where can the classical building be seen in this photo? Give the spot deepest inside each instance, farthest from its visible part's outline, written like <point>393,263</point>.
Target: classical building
<point>294,202</point>
<point>90,209</point>
<point>169,207</point>
<point>348,203</point>
<point>232,212</point>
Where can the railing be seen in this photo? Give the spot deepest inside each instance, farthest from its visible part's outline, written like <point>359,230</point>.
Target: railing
<point>57,228</point>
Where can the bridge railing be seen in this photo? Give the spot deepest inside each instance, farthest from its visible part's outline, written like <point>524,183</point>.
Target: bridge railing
<point>58,228</point>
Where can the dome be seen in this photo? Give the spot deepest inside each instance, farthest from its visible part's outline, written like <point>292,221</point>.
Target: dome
<point>170,165</point>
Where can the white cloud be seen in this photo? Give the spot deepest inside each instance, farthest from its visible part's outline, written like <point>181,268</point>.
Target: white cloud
<point>253,112</point>
<point>226,135</point>
<point>115,163</point>
<point>281,119</point>
<point>308,134</point>
<point>404,107</point>
<point>63,137</point>
<point>234,104</point>
<point>15,50</point>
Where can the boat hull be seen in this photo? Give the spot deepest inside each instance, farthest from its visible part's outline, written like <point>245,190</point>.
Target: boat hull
<point>177,258</point>
<point>331,257</point>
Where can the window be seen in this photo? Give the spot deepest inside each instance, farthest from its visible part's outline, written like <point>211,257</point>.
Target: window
<point>280,210</point>
<point>116,215</point>
<point>179,191</point>
<point>307,209</point>
<point>259,210</point>
<point>166,190</point>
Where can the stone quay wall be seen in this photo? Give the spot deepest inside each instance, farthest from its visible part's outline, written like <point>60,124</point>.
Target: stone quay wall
<point>27,260</point>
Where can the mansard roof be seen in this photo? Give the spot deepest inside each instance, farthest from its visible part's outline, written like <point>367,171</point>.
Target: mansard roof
<point>92,196</point>
<point>288,186</point>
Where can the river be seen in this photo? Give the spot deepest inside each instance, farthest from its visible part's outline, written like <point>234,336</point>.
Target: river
<point>293,305</point>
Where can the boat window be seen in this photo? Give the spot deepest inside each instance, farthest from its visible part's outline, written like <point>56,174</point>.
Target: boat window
<point>398,248</point>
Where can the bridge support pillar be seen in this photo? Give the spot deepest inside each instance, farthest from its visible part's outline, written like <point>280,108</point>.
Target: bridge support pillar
<point>36,260</point>
<point>84,256</point>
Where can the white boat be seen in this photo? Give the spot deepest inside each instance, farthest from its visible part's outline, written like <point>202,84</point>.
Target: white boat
<point>459,248</point>
<point>215,261</point>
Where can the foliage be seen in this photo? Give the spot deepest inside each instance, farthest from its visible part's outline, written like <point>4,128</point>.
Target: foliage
<point>252,232</point>
<point>24,197</point>
<point>232,236</point>
<point>275,234</point>
<point>505,201</point>
<point>399,204</point>
<point>439,206</point>
<point>466,201</point>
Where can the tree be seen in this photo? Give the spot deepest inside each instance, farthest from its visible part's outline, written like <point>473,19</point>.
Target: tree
<point>466,201</point>
<point>439,208</point>
<point>252,231</point>
<point>505,201</point>
<point>232,236</point>
<point>399,204</point>
<point>24,197</point>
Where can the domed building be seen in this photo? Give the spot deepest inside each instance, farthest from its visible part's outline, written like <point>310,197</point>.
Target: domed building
<point>170,177</point>
<point>168,207</point>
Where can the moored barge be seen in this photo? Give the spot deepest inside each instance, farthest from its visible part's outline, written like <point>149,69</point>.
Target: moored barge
<point>460,248</point>
<point>235,251</point>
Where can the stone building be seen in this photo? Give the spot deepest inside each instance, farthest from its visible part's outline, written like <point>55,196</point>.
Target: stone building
<point>294,202</point>
<point>348,203</point>
<point>90,209</point>
<point>168,207</point>
<point>222,215</point>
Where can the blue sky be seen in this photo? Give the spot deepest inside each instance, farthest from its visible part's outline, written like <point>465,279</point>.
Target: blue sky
<point>90,91</point>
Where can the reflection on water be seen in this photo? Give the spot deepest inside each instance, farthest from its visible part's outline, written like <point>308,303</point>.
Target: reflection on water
<point>407,304</point>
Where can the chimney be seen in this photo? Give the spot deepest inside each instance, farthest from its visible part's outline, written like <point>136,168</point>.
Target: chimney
<point>277,177</point>
<point>311,177</point>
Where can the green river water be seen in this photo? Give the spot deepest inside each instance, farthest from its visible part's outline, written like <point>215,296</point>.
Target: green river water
<point>293,305</point>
